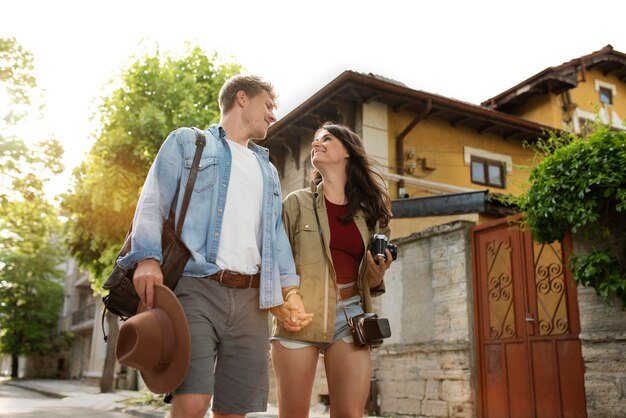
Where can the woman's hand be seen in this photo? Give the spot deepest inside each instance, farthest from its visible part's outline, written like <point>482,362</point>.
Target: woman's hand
<point>376,268</point>
<point>292,313</point>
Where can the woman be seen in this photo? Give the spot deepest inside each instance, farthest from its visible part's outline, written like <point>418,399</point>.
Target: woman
<point>352,204</point>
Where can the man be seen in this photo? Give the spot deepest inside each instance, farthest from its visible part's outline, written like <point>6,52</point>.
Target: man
<point>241,263</point>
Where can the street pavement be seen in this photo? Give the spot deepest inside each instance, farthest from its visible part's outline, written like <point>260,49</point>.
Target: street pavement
<point>80,394</point>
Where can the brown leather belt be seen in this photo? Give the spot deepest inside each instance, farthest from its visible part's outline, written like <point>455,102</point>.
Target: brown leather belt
<point>237,280</point>
<point>348,292</point>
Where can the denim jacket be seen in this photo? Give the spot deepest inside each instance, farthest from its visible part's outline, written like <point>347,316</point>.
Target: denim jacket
<point>203,223</point>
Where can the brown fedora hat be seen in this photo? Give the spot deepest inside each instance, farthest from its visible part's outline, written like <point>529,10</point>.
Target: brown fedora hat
<point>156,342</point>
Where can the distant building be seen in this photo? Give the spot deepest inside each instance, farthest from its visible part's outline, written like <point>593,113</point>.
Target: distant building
<point>82,315</point>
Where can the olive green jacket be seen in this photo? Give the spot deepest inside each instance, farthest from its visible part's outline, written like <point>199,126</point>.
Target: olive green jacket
<point>317,274</point>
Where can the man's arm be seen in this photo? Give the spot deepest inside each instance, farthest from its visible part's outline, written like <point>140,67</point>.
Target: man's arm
<point>153,208</point>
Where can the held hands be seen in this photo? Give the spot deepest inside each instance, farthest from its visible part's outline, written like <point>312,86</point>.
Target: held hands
<point>147,274</point>
<point>376,268</point>
<point>292,313</point>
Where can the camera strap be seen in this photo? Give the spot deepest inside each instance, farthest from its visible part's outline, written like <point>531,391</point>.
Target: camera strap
<point>319,228</point>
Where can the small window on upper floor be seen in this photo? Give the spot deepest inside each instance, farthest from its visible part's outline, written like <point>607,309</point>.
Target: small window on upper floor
<point>488,172</point>
<point>606,96</point>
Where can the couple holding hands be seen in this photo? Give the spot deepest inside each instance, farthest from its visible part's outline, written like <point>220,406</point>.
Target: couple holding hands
<point>305,259</point>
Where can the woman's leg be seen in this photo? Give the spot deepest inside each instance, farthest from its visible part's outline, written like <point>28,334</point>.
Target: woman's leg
<point>348,370</point>
<point>295,373</point>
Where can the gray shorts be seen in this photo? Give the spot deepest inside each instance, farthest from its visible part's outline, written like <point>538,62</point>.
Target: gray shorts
<point>229,345</point>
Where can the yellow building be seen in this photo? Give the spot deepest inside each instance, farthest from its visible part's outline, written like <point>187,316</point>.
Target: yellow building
<point>572,94</point>
<point>428,145</point>
<point>456,153</point>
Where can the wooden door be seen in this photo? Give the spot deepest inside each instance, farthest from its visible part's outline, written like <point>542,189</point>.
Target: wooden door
<point>529,361</point>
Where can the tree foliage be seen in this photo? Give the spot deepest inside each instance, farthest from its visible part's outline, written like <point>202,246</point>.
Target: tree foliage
<point>17,79</point>
<point>154,94</point>
<point>581,185</point>
<point>30,291</point>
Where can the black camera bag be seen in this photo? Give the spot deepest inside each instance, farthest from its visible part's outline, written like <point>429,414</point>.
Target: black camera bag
<point>369,329</point>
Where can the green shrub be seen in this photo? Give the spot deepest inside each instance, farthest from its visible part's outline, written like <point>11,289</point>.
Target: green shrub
<point>581,185</point>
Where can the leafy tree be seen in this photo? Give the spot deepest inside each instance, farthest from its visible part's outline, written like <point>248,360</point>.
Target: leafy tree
<point>154,94</point>
<point>16,76</point>
<point>30,291</point>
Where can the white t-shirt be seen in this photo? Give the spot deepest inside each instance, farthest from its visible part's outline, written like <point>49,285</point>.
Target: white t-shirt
<point>240,239</point>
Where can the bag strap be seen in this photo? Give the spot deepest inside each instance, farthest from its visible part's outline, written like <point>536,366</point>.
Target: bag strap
<point>200,143</point>
<point>319,228</point>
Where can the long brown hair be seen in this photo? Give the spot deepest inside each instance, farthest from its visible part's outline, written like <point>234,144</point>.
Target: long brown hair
<point>365,188</point>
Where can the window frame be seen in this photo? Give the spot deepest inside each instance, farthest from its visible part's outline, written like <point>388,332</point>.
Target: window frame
<point>605,92</point>
<point>486,162</point>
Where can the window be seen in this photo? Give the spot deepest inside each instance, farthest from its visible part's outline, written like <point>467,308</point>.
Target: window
<point>606,92</point>
<point>606,95</point>
<point>488,172</point>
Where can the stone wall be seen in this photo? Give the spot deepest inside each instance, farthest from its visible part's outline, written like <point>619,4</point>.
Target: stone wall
<point>426,368</point>
<point>53,366</point>
<point>603,338</point>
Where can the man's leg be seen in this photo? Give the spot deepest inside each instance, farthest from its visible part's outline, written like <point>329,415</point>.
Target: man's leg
<point>242,365</point>
<point>189,406</point>
<point>193,398</point>
<point>218,415</point>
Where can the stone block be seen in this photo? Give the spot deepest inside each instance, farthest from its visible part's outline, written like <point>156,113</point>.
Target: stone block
<point>455,391</point>
<point>433,389</point>
<point>435,408</point>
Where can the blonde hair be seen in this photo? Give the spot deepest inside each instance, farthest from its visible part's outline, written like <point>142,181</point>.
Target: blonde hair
<point>250,84</point>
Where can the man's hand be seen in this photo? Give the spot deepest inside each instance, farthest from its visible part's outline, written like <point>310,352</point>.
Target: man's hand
<point>147,274</point>
<point>292,312</point>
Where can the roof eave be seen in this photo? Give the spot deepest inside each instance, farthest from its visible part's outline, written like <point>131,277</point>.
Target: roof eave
<point>349,79</point>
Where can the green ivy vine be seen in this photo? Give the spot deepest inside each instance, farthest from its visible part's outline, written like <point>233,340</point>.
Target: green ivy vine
<point>580,184</point>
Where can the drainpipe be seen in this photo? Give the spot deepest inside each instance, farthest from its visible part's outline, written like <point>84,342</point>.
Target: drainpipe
<point>400,143</point>
<point>583,71</point>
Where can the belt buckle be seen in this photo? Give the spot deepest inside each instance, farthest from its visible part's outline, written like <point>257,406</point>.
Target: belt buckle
<point>221,279</point>
<point>237,274</point>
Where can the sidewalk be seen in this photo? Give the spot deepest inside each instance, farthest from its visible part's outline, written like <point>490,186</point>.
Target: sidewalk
<point>131,402</point>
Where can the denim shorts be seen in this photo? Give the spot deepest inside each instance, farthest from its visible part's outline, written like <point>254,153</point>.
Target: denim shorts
<point>342,329</point>
<point>229,345</point>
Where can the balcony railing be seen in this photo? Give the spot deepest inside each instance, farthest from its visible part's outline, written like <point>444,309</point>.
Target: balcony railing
<point>86,313</point>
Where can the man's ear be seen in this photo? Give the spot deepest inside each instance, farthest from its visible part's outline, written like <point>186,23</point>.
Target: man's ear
<point>242,98</point>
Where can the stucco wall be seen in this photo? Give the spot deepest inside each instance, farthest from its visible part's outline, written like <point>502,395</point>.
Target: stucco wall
<point>544,109</point>
<point>440,153</point>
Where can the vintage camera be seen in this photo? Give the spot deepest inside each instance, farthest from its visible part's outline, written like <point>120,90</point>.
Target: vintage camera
<point>379,244</point>
<point>369,329</point>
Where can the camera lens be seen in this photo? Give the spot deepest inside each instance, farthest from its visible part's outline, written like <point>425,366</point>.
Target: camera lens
<point>379,243</point>
<point>393,249</point>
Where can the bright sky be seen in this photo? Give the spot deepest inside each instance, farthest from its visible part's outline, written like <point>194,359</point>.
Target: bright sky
<point>468,50</point>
